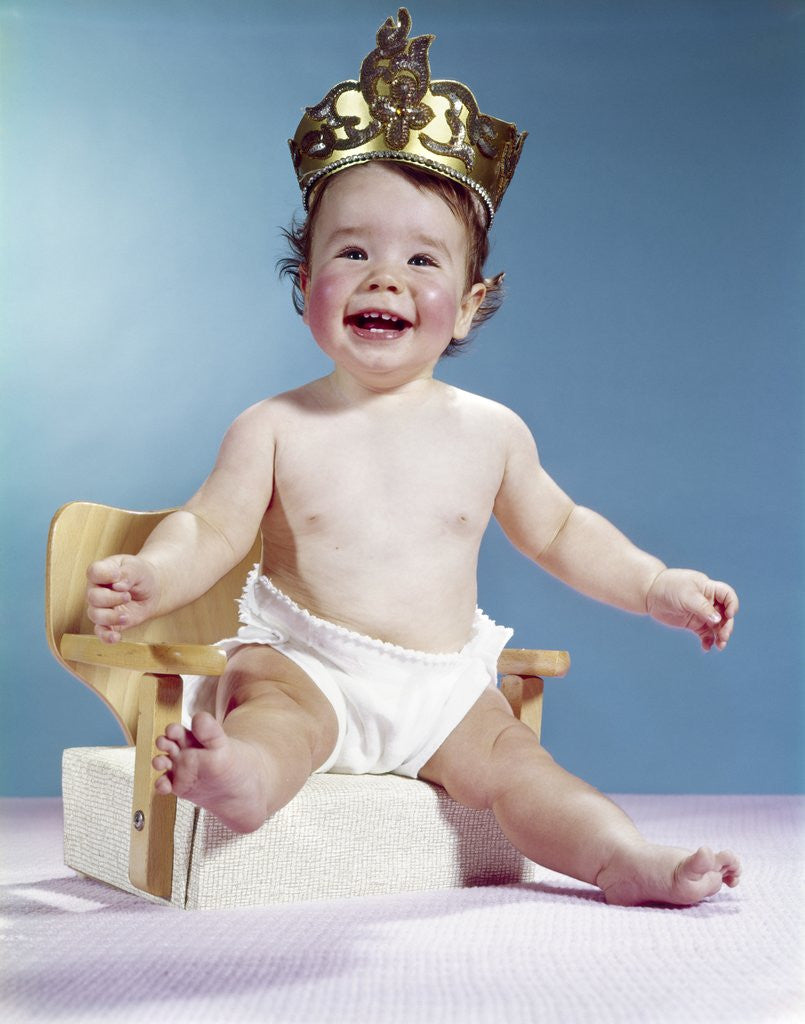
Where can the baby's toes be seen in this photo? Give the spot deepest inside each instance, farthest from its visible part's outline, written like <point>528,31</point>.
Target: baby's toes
<point>163,785</point>
<point>167,745</point>
<point>695,866</point>
<point>181,737</point>
<point>730,868</point>
<point>161,763</point>
<point>207,731</point>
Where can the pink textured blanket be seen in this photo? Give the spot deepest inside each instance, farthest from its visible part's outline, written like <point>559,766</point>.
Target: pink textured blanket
<point>551,951</point>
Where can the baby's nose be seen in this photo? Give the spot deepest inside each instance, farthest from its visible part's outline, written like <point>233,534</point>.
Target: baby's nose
<point>385,280</point>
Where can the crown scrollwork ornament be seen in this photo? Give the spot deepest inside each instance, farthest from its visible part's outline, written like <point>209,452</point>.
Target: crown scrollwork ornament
<point>396,112</point>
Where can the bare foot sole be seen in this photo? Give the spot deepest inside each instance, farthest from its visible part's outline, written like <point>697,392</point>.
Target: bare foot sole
<point>224,775</point>
<point>663,874</point>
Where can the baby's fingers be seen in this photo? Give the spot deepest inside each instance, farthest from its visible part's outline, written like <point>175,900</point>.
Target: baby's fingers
<point>725,599</point>
<point>106,610</point>
<point>108,622</point>
<point>108,572</point>
<point>108,634</point>
<point>706,613</point>
<point>106,597</point>
<point>726,603</point>
<point>723,633</point>
<point>108,616</point>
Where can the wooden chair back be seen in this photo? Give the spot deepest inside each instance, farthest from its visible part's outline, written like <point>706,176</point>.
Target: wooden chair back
<point>82,532</point>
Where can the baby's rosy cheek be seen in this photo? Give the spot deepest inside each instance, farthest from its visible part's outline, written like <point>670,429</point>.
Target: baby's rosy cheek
<point>321,301</point>
<point>439,307</point>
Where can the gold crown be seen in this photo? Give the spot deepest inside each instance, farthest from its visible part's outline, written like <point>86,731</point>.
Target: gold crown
<point>383,116</point>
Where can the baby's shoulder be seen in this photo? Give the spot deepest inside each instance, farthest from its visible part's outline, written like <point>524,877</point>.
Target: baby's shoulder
<point>488,413</point>
<point>272,412</point>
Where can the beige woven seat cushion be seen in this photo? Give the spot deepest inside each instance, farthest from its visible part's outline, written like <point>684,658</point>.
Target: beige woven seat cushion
<point>342,835</point>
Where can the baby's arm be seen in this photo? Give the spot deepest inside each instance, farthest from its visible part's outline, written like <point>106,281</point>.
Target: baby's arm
<point>588,553</point>
<point>194,547</point>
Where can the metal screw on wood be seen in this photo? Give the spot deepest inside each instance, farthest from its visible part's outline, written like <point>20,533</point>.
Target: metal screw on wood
<point>139,820</point>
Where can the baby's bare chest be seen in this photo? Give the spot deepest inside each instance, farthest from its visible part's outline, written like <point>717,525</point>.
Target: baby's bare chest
<point>414,478</point>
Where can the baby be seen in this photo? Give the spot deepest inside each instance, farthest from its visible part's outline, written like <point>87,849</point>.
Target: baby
<point>361,647</point>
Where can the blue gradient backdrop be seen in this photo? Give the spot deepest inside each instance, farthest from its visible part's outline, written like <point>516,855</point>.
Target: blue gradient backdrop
<point>652,333</point>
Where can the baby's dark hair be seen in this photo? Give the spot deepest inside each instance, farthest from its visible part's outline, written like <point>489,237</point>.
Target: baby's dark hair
<point>465,205</point>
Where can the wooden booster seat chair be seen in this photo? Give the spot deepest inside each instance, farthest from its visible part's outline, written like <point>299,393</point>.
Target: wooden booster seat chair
<point>341,835</point>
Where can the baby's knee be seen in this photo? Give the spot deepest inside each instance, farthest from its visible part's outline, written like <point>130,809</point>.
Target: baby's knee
<point>516,749</point>
<point>239,687</point>
<point>278,700</point>
<point>479,773</point>
<point>259,673</point>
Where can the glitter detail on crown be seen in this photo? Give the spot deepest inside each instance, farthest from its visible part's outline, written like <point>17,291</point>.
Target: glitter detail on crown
<point>385,114</point>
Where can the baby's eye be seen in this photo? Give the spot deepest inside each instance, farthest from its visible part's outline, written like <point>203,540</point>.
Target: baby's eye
<point>352,252</point>
<point>422,260</point>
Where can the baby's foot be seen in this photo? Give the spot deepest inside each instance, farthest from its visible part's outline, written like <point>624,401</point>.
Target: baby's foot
<point>663,874</point>
<point>225,775</point>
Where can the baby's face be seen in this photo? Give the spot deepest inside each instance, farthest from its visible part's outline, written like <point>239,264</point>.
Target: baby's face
<point>385,289</point>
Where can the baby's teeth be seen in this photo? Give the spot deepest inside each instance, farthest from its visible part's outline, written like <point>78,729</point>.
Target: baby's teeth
<point>376,316</point>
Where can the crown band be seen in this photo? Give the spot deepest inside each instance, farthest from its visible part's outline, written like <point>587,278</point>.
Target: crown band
<point>383,116</point>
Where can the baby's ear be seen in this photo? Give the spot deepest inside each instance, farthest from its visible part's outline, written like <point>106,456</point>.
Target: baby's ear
<point>469,307</point>
<point>304,285</point>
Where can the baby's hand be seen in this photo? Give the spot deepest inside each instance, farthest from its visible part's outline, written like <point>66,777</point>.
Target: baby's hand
<point>121,592</point>
<point>690,600</point>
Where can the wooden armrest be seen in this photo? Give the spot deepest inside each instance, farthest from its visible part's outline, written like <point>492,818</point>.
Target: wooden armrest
<point>515,662</point>
<point>162,659</point>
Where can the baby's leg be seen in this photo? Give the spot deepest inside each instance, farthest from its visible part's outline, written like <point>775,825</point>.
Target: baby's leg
<point>274,727</point>
<point>493,761</point>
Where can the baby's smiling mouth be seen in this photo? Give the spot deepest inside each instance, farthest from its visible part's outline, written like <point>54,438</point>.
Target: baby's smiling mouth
<point>373,321</point>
